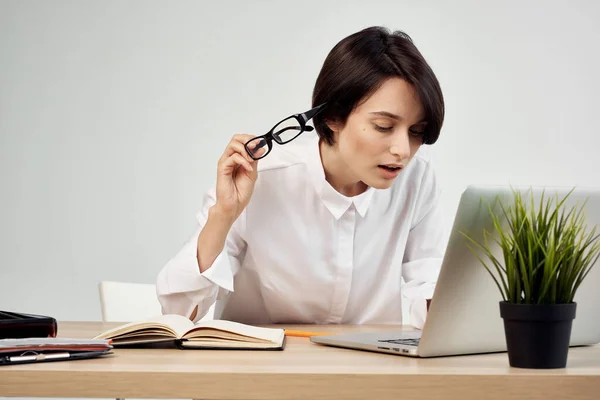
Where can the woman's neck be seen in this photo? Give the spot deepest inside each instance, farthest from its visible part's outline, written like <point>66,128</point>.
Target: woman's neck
<point>337,172</point>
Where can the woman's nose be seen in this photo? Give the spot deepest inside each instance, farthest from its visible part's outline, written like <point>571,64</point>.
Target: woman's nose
<point>401,145</point>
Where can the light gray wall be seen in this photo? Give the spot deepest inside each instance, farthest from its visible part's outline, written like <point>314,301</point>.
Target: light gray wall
<point>113,114</point>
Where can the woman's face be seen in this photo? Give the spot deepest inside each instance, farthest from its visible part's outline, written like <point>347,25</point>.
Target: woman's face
<point>381,135</point>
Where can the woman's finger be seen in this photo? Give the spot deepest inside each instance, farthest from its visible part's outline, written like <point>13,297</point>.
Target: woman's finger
<point>235,159</point>
<point>237,147</point>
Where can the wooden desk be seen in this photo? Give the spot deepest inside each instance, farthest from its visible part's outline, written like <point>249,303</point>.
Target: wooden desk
<point>302,371</point>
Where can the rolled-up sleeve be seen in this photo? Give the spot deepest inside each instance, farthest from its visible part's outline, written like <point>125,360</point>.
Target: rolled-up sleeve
<point>424,253</point>
<point>181,287</point>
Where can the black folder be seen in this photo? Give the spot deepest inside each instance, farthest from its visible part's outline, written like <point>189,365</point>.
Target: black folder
<point>15,325</point>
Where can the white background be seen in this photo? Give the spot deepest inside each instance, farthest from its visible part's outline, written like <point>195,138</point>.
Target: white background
<point>114,113</point>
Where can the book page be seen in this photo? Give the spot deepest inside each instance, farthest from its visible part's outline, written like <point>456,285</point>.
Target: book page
<point>274,335</point>
<point>170,324</point>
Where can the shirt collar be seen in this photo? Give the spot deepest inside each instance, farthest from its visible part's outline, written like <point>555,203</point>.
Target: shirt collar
<point>335,202</point>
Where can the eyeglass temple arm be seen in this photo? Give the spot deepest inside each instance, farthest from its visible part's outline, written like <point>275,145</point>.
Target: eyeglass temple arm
<point>311,113</point>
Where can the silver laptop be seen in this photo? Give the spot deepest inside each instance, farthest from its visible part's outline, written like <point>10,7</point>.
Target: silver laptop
<point>464,315</point>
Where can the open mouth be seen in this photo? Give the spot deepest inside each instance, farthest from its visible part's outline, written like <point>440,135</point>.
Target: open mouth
<point>389,168</point>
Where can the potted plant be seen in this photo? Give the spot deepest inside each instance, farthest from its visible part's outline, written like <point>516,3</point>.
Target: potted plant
<point>546,253</point>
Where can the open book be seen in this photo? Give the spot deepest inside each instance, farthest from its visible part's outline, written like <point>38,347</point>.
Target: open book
<point>215,334</point>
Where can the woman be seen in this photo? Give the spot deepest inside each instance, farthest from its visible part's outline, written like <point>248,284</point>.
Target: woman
<point>339,226</point>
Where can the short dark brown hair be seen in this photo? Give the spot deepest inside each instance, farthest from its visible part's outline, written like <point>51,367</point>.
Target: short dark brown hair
<point>359,64</point>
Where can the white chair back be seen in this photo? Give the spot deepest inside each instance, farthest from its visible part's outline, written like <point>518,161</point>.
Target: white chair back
<point>127,302</point>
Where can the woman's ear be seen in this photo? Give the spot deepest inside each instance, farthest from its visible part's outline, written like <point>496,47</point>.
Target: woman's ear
<point>335,126</point>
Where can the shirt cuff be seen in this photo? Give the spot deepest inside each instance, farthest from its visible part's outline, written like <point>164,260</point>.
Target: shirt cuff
<point>219,272</point>
<point>183,275</point>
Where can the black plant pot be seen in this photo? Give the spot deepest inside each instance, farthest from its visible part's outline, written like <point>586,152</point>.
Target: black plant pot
<point>537,336</point>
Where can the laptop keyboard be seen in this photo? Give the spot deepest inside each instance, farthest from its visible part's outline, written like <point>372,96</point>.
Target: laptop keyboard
<point>404,342</point>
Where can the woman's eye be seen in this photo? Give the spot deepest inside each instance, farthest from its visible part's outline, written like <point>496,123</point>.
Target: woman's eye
<point>383,128</point>
<point>416,132</point>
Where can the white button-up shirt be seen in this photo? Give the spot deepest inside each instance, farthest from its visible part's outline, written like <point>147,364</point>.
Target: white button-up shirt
<point>301,252</point>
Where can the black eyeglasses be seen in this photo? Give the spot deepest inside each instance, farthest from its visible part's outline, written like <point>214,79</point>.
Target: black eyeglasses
<point>283,132</point>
